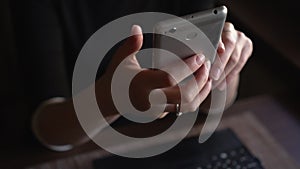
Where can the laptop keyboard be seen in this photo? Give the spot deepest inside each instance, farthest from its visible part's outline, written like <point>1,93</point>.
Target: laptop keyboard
<point>238,158</point>
<point>224,150</point>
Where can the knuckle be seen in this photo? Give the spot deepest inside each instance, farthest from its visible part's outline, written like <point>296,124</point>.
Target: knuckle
<point>235,58</point>
<point>229,40</point>
<point>249,43</point>
<point>241,34</point>
<point>229,26</point>
<point>188,97</point>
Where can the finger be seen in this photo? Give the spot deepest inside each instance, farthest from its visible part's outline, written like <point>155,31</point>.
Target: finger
<point>191,89</point>
<point>224,83</point>
<point>229,39</point>
<point>187,67</point>
<point>171,76</point>
<point>228,27</point>
<point>234,58</point>
<point>194,105</point>
<point>131,46</point>
<point>170,108</point>
<point>187,92</point>
<point>162,79</point>
<point>221,47</point>
<point>245,54</point>
<point>164,114</point>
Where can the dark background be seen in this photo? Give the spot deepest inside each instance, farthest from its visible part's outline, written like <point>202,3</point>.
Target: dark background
<point>272,70</point>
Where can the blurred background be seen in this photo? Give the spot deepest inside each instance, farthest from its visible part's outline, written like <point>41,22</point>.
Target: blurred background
<point>273,69</point>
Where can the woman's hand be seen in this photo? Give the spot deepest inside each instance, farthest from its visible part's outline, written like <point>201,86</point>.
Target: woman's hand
<point>147,80</point>
<point>234,51</point>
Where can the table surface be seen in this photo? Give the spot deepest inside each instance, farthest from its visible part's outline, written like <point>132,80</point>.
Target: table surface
<point>259,117</point>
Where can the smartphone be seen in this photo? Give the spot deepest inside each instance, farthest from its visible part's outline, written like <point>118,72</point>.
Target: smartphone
<point>184,36</point>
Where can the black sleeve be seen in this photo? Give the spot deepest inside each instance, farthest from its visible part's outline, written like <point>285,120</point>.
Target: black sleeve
<point>40,52</point>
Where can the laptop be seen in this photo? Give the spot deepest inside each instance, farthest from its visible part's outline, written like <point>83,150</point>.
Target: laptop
<point>222,150</point>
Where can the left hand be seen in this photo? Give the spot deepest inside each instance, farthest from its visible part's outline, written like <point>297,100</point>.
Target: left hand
<point>234,50</point>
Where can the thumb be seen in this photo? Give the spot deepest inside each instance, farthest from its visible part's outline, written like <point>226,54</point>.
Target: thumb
<point>129,48</point>
<point>136,39</point>
<point>132,44</point>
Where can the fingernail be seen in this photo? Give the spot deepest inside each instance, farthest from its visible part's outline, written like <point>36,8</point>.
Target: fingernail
<point>222,86</point>
<point>215,73</point>
<point>207,64</point>
<point>200,59</point>
<point>136,30</point>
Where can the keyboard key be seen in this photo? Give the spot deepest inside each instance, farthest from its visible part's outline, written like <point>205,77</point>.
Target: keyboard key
<point>223,155</point>
<point>239,158</point>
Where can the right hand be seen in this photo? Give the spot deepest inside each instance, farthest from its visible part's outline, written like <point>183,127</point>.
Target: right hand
<point>149,79</point>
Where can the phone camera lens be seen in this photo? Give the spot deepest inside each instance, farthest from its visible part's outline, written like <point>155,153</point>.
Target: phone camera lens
<point>173,30</point>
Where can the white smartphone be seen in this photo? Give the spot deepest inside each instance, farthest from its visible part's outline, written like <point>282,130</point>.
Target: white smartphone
<point>187,35</point>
